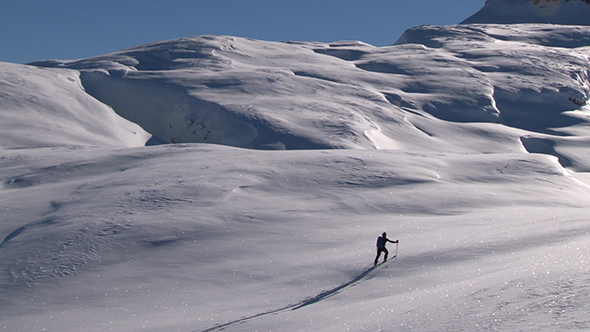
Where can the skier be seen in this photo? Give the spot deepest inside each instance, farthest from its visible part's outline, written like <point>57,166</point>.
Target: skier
<point>381,241</point>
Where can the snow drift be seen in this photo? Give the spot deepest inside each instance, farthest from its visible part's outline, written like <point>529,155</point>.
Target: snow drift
<point>49,107</point>
<point>525,83</point>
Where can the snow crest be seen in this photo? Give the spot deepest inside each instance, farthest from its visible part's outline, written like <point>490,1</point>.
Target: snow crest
<point>569,12</point>
<point>525,80</point>
<point>49,107</point>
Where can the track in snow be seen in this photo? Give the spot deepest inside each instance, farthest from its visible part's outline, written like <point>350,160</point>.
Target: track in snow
<point>309,301</point>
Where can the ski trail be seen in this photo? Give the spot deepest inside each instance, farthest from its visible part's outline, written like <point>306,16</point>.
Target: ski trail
<point>12,235</point>
<point>309,301</point>
<point>328,293</point>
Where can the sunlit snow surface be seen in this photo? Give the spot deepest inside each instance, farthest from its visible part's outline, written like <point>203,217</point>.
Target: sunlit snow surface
<point>467,143</point>
<point>49,107</point>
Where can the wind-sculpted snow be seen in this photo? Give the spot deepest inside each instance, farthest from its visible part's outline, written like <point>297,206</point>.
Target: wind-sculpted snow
<point>436,84</point>
<point>48,107</point>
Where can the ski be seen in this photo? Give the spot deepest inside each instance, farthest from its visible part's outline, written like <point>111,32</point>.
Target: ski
<point>387,261</point>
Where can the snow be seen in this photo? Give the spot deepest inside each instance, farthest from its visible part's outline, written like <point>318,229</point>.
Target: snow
<point>119,246</point>
<point>434,82</point>
<point>570,12</point>
<point>48,107</point>
<point>467,143</point>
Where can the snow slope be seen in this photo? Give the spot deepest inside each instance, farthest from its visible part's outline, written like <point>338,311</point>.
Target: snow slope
<point>469,143</point>
<point>48,107</point>
<point>187,237</point>
<point>570,12</point>
<point>525,85</point>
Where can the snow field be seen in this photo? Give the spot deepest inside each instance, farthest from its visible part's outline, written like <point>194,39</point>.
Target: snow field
<point>275,231</point>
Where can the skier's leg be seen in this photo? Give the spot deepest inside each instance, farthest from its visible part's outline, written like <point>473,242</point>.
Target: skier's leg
<point>377,258</point>
<point>386,253</point>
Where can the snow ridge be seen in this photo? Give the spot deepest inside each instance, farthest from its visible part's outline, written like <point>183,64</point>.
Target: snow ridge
<point>521,81</point>
<point>49,107</point>
<point>569,12</point>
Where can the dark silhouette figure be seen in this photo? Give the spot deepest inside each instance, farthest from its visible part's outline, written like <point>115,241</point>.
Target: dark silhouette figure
<point>381,241</point>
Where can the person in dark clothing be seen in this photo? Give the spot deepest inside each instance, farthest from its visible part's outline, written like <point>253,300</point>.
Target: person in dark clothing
<point>381,241</point>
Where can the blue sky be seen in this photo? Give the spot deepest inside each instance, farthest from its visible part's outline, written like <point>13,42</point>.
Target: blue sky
<point>33,30</point>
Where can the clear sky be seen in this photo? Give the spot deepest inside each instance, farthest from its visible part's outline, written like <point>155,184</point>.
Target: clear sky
<point>32,30</point>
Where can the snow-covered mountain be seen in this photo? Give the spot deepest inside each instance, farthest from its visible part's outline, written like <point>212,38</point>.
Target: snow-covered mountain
<point>568,12</point>
<point>419,94</point>
<point>468,143</point>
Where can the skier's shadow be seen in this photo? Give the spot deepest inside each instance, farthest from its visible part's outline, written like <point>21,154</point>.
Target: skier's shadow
<point>330,292</point>
<point>309,301</point>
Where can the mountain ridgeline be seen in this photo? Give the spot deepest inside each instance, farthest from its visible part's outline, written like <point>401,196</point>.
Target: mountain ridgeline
<point>567,12</point>
<point>528,83</point>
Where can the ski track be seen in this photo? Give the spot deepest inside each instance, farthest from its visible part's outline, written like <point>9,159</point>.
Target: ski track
<point>307,302</point>
<point>545,301</point>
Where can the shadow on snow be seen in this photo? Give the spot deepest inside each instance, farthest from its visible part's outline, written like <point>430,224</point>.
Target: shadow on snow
<point>309,301</point>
